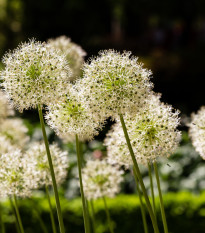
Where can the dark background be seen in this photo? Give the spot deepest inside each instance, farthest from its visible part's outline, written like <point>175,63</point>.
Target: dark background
<point>168,36</point>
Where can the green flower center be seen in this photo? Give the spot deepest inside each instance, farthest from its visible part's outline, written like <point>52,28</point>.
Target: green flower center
<point>148,130</point>
<point>73,109</point>
<point>100,180</point>
<point>113,82</point>
<point>34,71</point>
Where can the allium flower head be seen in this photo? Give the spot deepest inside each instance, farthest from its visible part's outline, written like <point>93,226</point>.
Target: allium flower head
<point>115,83</point>
<point>16,176</point>
<point>5,106</point>
<point>153,133</point>
<point>38,156</point>
<point>71,116</point>
<point>74,53</point>
<point>197,131</point>
<point>5,145</point>
<point>101,179</point>
<point>34,74</point>
<point>14,130</point>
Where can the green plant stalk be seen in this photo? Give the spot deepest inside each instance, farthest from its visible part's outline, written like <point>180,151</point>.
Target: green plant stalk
<point>93,216</point>
<point>141,203</point>
<point>139,176</point>
<point>14,212</point>
<point>18,215</point>
<point>87,214</point>
<point>108,215</point>
<point>152,188</point>
<point>59,212</point>
<point>51,211</point>
<point>85,217</point>
<point>160,198</point>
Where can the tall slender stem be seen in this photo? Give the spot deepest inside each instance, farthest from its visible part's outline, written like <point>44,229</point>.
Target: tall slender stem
<point>18,215</point>
<point>161,199</point>
<point>59,212</point>
<point>14,212</point>
<point>87,214</point>
<point>139,177</point>
<point>152,188</point>
<point>108,216</point>
<point>85,217</point>
<point>51,210</point>
<point>141,203</point>
<point>93,215</point>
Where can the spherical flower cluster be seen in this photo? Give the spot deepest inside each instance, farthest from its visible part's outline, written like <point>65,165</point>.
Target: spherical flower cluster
<point>37,154</point>
<point>16,177</point>
<point>197,131</point>
<point>34,74</point>
<point>153,133</point>
<point>71,116</point>
<point>101,179</point>
<point>14,130</point>
<point>5,107</point>
<point>74,53</point>
<point>115,83</point>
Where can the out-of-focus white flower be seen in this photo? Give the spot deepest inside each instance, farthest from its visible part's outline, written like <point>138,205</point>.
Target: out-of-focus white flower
<point>14,130</point>
<point>153,133</point>
<point>71,116</point>
<point>115,83</point>
<point>197,131</point>
<point>16,175</point>
<point>101,179</point>
<point>37,154</point>
<point>34,74</point>
<point>74,53</point>
<point>5,107</point>
<point>5,145</point>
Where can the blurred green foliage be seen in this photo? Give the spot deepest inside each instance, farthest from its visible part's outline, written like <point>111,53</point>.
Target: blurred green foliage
<point>11,16</point>
<point>185,210</point>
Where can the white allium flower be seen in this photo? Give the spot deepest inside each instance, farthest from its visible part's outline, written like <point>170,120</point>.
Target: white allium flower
<point>71,116</point>
<point>74,53</point>
<point>101,179</point>
<point>5,145</point>
<point>34,74</point>
<point>14,130</point>
<point>153,133</point>
<point>37,154</point>
<point>115,83</point>
<point>5,106</point>
<point>16,175</point>
<point>197,131</point>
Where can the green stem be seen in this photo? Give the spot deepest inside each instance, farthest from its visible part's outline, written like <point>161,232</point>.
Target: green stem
<point>139,177</point>
<point>152,188</point>
<point>161,199</point>
<point>141,203</point>
<point>14,212</point>
<point>87,214</point>
<point>59,212</point>
<point>93,215</point>
<point>51,211</point>
<point>108,216</point>
<point>18,215</point>
<point>85,217</point>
